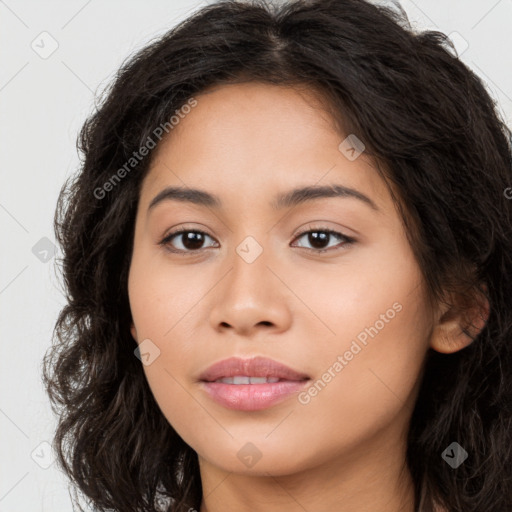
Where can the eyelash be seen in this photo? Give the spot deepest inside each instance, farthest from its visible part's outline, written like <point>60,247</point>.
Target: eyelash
<point>166,241</point>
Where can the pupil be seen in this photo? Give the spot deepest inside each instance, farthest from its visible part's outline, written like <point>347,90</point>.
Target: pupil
<point>317,237</point>
<point>192,240</point>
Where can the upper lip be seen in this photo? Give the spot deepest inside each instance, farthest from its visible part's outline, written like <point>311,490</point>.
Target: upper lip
<point>254,367</point>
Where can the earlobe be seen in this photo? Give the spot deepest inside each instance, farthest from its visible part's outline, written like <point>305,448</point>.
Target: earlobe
<point>133,331</point>
<point>457,327</point>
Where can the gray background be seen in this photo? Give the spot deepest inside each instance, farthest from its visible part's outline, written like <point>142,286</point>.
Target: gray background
<point>44,100</point>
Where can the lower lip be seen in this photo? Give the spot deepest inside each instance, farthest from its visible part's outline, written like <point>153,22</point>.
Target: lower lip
<point>252,397</point>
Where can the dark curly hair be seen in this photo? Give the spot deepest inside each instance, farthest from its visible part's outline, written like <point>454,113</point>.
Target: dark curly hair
<point>438,139</point>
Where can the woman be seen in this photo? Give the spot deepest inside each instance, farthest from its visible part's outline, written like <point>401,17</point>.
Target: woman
<point>288,263</point>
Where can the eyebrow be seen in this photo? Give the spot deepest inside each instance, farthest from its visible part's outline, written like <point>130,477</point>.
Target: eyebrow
<point>283,200</point>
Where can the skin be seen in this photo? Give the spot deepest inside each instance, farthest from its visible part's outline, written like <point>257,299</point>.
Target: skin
<point>345,448</point>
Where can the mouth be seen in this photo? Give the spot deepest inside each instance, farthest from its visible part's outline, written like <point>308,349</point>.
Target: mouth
<point>251,384</point>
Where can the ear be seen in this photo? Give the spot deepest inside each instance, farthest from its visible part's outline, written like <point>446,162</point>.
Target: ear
<point>459,322</point>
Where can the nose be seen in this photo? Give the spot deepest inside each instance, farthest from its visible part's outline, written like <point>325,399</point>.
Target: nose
<point>251,298</point>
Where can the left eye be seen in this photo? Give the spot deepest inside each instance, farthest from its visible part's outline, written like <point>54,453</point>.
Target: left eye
<point>318,237</point>
<point>192,240</point>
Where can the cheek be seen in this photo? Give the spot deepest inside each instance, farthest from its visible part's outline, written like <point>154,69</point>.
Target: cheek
<point>372,286</point>
<point>161,301</point>
<point>367,379</point>
<point>162,295</point>
<point>370,362</point>
<point>156,311</point>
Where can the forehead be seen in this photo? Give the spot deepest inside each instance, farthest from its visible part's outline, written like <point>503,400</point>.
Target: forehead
<point>254,137</point>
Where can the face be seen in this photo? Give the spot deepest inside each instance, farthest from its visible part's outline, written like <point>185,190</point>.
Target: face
<point>327,286</point>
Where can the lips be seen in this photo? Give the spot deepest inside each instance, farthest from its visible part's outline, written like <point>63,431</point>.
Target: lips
<point>254,367</point>
<point>236,383</point>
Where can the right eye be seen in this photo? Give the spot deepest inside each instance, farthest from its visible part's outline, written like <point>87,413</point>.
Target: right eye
<point>190,241</point>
